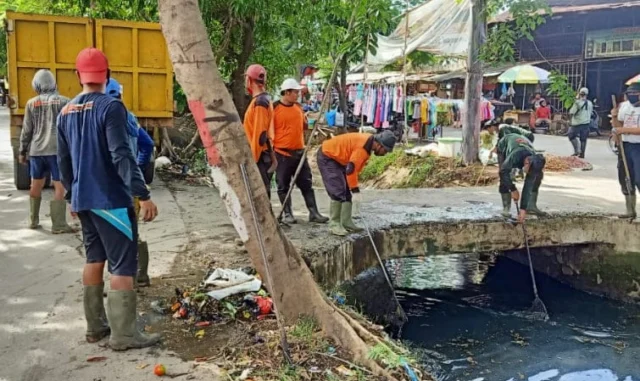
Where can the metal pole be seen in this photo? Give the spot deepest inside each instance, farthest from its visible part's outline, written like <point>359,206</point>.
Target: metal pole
<point>404,73</point>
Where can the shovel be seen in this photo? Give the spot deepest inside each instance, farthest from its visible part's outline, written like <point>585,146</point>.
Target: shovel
<point>538,309</point>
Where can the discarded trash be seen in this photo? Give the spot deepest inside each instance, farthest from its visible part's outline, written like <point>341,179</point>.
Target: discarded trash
<point>142,366</point>
<point>331,350</point>
<point>159,370</point>
<point>345,371</point>
<point>261,305</point>
<point>200,334</point>
<point>162,162</point>
<point>96,359</point>
<point>245,374</point>
<point>231,282</point>
<point>202,324</point>
<point>156,306</point>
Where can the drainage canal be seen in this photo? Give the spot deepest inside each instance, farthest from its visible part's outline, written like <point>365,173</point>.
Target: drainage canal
<point>468,314</point>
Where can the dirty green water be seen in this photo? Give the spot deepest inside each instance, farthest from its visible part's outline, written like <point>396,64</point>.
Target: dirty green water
<point>466,312</point>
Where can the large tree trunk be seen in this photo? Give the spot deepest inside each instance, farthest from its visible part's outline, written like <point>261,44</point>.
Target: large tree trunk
<point>237,76</point>
<point>294,290</point>
<point>473,86</point>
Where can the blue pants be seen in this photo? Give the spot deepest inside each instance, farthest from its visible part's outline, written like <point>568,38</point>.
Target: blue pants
<point>632,154</point>
<point>103,242</point>
<point>39,166</point>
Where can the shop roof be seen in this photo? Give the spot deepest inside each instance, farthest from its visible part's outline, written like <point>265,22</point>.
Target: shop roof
<point>562,9</point>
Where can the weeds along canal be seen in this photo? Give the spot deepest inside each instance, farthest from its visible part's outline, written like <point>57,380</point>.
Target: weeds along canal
<point>468,313</point>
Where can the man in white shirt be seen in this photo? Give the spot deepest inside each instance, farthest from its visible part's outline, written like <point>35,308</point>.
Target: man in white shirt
<point>629,115</point>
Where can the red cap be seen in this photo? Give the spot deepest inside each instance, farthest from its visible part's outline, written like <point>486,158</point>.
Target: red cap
<point>257,73</point>
<point>92,65</point>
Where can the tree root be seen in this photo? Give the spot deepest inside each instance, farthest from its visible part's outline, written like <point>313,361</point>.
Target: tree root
<point>366,335</point>
<point>167,146</point>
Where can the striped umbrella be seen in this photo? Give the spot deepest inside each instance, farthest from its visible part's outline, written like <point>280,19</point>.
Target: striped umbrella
<point>525,75</point>
<point>633,80</point>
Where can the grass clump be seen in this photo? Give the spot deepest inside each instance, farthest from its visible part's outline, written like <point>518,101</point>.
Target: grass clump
<point>376,165</point>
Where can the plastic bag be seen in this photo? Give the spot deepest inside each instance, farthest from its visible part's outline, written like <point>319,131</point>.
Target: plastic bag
<point>339,119</point>
<point>231,282</point>
<point>331,118</point>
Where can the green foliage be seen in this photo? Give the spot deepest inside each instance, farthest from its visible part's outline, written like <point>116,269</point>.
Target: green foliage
<point>383,355</point>
<point>419,173</point>
<point>499,46</point>
<point>378,164</point>
<point>305,328</point>
<point>229,310</point>
<point>559,86</point>
<point>198,163</point>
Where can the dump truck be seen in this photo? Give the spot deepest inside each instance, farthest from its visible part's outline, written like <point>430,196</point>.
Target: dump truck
<point>138,59</point>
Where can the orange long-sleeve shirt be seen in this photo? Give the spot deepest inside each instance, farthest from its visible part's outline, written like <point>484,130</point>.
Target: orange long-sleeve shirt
<point>351,150</point>
<point>289,123</point>
<point>258,124</point>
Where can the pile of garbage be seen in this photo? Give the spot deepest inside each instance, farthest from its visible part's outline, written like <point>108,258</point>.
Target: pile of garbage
<point>566,163</point>
<point>224,295</point>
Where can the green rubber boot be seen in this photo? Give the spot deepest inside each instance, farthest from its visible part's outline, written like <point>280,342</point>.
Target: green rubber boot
<point>335,226</point>
<point>533,206</point>
<point>34,214</point>
<point>122,314</point>
<point>142,279</point>
<point>58,211</point>
<point>97,326</point>
<point>347,220</point>
<point>506,205</point>
<point>630,201</point>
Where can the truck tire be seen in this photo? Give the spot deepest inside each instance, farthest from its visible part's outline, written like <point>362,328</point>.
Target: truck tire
<point>21,176</point>
<point>149,172</point>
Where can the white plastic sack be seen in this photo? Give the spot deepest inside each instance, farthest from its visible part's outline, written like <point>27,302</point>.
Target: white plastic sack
<point>231,282</point>
<point>339,119</point>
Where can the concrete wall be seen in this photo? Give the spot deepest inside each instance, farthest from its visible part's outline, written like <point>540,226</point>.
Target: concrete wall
<point>335,264</point>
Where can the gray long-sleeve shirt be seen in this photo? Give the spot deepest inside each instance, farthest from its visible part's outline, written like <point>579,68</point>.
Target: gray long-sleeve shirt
<point>39,135</point>
<point>581,112</point>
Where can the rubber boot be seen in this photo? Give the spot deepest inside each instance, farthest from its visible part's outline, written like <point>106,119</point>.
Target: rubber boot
<point>630,201</point>
<point>583,148</point>
<point>121,310</point>
<point>97,326</point>
<point>346,219</point>
<point>335,226</point>
<point>533,206</point>
<point>58,211</point>
<point>34,214</point>
<point>142,280</point>
<point>314,214</point>
<point>287,214</point>
<point>576,146</point>
<point>506,205</point>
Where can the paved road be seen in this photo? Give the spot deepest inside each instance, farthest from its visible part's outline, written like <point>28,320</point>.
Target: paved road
<point>41,320</point>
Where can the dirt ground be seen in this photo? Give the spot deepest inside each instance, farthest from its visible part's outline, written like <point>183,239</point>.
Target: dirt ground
<point>237,344</point>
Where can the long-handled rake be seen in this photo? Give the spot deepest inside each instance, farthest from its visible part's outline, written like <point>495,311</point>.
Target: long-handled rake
<point>627,179</point>
<point>538,309</point>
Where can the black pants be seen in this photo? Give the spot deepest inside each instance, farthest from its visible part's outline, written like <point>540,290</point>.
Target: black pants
<point>334,177</point>
<point>632,153</point>
<point>287,166</point>
<point>580,132</point>
<point>264,163</point>
<point>537,181</point>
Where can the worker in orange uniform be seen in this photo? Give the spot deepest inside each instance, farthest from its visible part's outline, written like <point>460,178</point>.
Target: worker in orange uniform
<point>258,124</point>
<point>340,161</point>
<point>289,123</point>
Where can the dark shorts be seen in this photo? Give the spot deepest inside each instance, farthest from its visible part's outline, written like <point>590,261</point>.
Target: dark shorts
<point>103,242</point>
<point>334,177</point>
<point>39,166</point>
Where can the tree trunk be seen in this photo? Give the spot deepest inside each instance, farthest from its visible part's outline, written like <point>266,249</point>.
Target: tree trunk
<point>237,76</point>
<point>342,88</point>
<point>294,290</point>
<point>473,86</point>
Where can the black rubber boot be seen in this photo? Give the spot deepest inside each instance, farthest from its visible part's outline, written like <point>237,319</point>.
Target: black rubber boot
<point>142,280</point>
<point>576,147</point>
<point>583,148</point>
<point>287,215</point>
<point>630,202</point>
<point>314,214</point>
<point>506,205</point>
<point>122,315</point>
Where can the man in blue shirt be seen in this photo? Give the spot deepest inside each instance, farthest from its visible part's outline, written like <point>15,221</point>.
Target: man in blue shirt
<point>142,147</point>
<point>101,176</point>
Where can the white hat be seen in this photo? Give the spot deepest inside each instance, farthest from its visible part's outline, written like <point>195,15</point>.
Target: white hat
<point>290,84</point>
<point>584,91</point>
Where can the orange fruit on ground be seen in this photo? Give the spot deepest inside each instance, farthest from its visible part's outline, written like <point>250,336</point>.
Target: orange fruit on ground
<point>159,370</point>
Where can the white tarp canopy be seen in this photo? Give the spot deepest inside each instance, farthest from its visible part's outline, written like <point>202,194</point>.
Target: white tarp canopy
<point>441,27</point>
